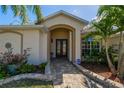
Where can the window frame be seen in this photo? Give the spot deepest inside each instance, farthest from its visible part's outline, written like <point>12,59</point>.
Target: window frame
<point>84,45</point>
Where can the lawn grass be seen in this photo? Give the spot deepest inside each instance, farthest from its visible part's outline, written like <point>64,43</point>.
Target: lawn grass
<point>28,83</point>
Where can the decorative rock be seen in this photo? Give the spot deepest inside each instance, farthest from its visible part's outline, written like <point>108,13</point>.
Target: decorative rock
<point>99,79</point>
<point>48,69</point>
<point>27,76</point>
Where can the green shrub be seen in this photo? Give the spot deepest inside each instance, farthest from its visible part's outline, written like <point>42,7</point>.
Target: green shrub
<point>12,69</point>
<point>100,56</point>
<point>2,72</point>
<point>1,68</point>
<point>27,68</point>
<point>1,76</point>
<point>42,66</point>
<point>112,53</point>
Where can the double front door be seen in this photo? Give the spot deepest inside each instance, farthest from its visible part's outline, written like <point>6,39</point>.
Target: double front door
<point>61,47</point>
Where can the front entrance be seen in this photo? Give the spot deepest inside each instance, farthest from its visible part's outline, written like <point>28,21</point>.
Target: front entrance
<point>61,47</point>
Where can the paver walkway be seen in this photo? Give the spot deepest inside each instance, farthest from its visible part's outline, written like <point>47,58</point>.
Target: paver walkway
<point>67,75</point>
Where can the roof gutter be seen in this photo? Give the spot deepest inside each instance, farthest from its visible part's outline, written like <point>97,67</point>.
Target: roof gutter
<point>23,27</point>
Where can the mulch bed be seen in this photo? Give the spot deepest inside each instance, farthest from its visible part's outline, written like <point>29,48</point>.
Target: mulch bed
<point>102,70</point>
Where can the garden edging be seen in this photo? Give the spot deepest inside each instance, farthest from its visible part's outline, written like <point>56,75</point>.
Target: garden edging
<point>27,76</point>
<point>99,79</point>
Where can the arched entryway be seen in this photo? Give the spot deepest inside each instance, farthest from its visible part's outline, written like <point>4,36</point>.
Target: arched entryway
<point>61,42</point>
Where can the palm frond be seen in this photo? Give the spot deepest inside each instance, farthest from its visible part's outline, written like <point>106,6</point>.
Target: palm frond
<point>37,11</point>
<point>102,9</point>
<point>22,11</point>
<point>4,8</point>
<point>23,14</point>
<point>15,9</point>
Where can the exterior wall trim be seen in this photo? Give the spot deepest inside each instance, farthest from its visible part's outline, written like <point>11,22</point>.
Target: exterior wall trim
<point>66,14</point>
<point>6,31</point>
<point>61,26</point>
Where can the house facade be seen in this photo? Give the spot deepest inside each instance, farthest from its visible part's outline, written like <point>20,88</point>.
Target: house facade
<point>58,36</point>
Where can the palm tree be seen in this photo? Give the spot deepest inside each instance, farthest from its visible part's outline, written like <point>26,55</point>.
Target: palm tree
<point>22,12</point>
<point>36,9</point>
<point>117,14</point>
<point>103,27</point>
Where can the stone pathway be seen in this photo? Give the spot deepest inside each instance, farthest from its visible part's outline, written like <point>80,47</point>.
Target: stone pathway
<point>67,75</point>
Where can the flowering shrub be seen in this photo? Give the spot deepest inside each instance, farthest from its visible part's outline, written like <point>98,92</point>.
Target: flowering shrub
<point>13,64</point>
<point>10,58</point>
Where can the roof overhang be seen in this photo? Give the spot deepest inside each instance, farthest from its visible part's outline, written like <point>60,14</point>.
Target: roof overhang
<point>23,27</point>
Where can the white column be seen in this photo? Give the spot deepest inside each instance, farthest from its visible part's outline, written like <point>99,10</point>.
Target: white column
<point>78,44</point>
<point>45,46</point>
<point>70,46</point>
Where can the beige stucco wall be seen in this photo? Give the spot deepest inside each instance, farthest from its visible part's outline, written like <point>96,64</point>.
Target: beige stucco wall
<point>12,38</point>
<point>78,26</point>
<point>30,39</point>
<point>43,47</point>
<point>113,41</point>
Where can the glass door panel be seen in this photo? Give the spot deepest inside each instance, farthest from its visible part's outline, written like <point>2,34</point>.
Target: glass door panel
<point>64,47</point>
<point>61,47</point>
<point>58,47</point>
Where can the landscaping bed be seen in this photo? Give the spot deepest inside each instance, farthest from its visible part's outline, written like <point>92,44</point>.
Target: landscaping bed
<point>26,83</point>
<point>14,64</point>
<point>15,71</point>
<point>101,69</point>
<point>25,68</point>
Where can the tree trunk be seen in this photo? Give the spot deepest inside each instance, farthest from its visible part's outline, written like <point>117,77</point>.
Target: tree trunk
<point>121,58</point>
<point>111,66</point>
<point>121,67</point>
<point>120,51</point>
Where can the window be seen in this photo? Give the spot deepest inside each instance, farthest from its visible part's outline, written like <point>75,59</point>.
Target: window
<point>89,45</point>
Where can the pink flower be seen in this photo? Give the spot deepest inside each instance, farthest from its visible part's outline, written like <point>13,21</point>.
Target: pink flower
<point>11,58</point>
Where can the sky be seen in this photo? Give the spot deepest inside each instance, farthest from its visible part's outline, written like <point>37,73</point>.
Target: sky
<point>87,12</point>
